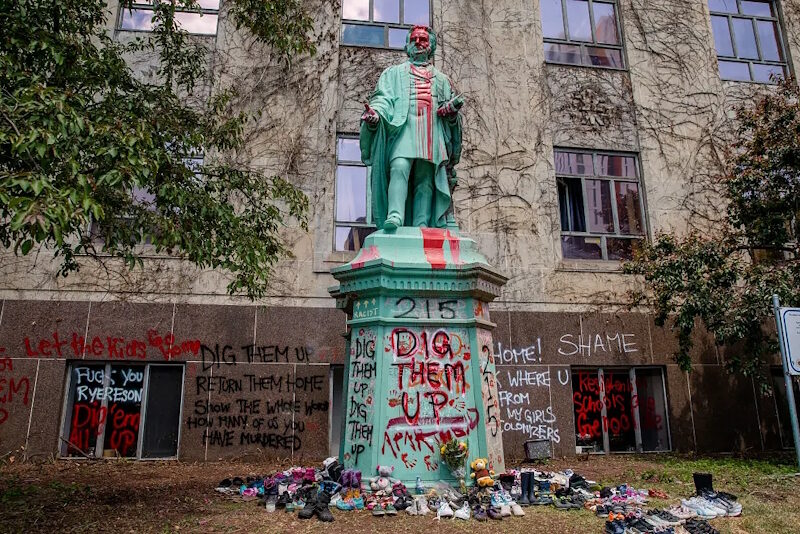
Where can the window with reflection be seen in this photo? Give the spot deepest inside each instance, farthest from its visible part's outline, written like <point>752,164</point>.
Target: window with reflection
<point>139,17</point>
<point>582,32</point>
<point>600,204</point>
<point>382,23</point>
<point>353,209</point>
<point>747,37</point>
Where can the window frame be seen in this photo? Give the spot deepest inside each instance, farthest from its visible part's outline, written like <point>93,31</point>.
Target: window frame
<point>600,373</point>
<point>378,24</point>
<point>337,223</point>
<point>612,180</point>
<point>148,6</point>
<point>67,408</point>
<point>594,43</point>
<point>782,49</point>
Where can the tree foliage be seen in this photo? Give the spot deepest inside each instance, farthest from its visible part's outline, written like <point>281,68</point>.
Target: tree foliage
<point>725,279</point>
<point>96,162</point>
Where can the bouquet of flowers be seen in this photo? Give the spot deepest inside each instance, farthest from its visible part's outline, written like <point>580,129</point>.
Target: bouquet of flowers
<point>454,455</point>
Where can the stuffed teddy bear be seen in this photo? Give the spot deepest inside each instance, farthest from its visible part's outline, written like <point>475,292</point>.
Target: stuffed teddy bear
<point>482,475</point>
<point>383,482</point>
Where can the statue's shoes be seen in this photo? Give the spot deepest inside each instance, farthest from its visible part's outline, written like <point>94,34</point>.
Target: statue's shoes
<point>391,224</point>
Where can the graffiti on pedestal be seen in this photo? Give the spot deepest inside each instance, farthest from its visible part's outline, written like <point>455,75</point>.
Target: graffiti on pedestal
<point>360,401</point>
<point>429,400</point>
<point>491,402</point>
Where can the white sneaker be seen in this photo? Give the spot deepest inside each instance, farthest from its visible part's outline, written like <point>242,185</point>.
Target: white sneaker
<point>422,506</point>
<point>413,509</point>
<point>463,512</point>
<point>505,510</point>
<point>444,510</point>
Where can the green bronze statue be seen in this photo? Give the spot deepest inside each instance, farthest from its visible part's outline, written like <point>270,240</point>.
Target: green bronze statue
<point>411,134</point>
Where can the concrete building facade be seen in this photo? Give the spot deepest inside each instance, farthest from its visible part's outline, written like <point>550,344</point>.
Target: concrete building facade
<point>589,125</point>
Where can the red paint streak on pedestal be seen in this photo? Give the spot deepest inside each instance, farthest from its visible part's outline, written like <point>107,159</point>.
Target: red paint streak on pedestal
<point>433,244</point>
<point>365,255</point>
<point>455,248</point>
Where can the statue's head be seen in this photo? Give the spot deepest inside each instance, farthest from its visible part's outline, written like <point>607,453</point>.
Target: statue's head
<point>420,43</point>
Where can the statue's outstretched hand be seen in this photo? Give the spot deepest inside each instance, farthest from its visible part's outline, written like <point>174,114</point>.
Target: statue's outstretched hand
<point>451,107</point>
<point>370,116</point>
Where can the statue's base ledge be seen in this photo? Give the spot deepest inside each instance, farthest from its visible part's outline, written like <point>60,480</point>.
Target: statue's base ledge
<point>433,249</point>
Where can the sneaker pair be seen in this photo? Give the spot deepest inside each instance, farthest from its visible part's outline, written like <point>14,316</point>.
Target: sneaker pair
<point>444,510</point>
<point>701,508</point>
<point>499,502</point>
<point>418,506</point>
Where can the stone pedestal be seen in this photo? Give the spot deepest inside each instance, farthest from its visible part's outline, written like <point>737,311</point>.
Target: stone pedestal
<point>420,366</point>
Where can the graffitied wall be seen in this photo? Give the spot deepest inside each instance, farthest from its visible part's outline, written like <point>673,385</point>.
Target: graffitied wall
<point>253,385</point>
<point>256,381</point>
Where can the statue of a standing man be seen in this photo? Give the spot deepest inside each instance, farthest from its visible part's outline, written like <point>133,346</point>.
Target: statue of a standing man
<point>411,134</point>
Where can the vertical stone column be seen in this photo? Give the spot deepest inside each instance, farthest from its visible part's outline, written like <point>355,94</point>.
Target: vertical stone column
<point>420,367</point>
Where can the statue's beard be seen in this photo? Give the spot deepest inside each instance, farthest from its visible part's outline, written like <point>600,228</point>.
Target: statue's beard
<point>419,55</point>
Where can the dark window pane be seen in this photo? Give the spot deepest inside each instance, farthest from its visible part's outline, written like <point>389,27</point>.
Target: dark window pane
<point>85,416</point>
<point>573,163</point>
<point>581,248</point>
<point>359,34</point>
<point>619,411</point>
<point>570,203</point>
<point>351,193</point>
<point>163,415</point>
<point>124,408</point>
<point>386,10</point>
<point>761,9</point>
<point>355,9</point>
<point>734,70</point>
<point>137,19</point>
<point>578,21</point>
<point>726,6</point>
<point>621,249</point>
<point>605,23</point>
<point>588,410</point>
<point>397,37</point>
<point>608,165</point>
<point>348,149</point>
<point>722,36</point>
<point>603,57</point>
<point>629,208</point>
<point>417,12</point>
<point>552,19</point>
<point>763,73</point>
<point>197,23</point>
<point>599,217</point>
<point>351,237</point>
<point>560,53</point>
<point>768,37</point>
<point>745,39</point>
<point>652,409</point>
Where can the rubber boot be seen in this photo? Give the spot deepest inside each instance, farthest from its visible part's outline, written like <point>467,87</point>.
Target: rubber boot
<point>309,509</point>
<point>524,500</point>
<point>321,509</point>
<point>531,488</point>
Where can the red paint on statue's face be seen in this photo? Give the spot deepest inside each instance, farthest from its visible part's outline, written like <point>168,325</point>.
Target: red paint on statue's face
<point>421,39</point>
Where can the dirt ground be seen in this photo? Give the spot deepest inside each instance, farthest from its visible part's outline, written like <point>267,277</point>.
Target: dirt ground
<point>122,496</point>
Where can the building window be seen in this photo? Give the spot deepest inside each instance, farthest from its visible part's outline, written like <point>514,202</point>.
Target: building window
<point>125,410</point>
<point>600,203</point>
<point>748,40</point>
<point>620,410</point>
<point>139,17</point>
<point>382,23</point>
<point>353,211</point>
<point>582,32</point>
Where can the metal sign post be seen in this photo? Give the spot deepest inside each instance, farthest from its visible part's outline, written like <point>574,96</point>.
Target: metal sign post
<point>789,340</point>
